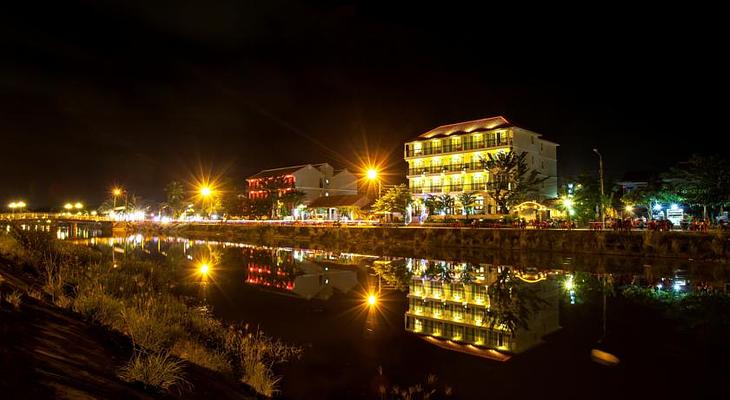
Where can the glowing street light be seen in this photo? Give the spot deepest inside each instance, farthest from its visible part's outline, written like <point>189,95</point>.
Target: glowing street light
<point>372,300</point>
<point>16,205</point>
<point>206,191</point>
<point>373,175</point>
<point>68,206</point>
<point>78,206</point>
<point>116,192</point>
<point>629,208</point>
<point>204,269</point>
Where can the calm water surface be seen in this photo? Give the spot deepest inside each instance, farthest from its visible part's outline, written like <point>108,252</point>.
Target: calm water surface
<point>318,300</point>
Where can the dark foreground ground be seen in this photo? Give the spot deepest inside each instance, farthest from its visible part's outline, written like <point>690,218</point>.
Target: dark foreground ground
<point>50,353</point>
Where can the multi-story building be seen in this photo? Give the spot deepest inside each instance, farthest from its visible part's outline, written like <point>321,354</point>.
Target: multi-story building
<point>315,180</point>
<point>459,311</point>
<point>447,159</point>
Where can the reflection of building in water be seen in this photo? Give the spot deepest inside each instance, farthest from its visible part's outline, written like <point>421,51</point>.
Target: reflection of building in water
<point>455,305</point>
<point>291,271</point>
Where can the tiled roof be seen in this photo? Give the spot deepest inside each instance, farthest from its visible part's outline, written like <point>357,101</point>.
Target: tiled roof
<point>478,125</point>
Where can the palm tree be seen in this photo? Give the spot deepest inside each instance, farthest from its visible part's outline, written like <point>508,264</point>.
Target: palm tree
<point>511,180</point>
<point>446,203</point>
<point>175,198</point>
<point>467,200</point>
<point>432,204</point>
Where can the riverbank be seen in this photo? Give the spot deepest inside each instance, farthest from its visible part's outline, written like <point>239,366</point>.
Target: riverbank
<point>123,324</point>
<point>57,354</point>
<point>459,243</point>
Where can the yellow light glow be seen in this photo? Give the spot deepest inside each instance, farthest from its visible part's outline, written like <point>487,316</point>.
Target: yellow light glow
<point>629,208</point>
<point>372,174</point>
<point>117,191</point>
<point>78,206</point>
<point>205,191</point>
<point>568,203</point>
<point>204,269</point>
<point>20,204</point>
<point>372,300</point>
<point>68,206</point>
<point>12,205</point>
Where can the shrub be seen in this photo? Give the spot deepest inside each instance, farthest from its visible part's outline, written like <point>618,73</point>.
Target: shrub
<point>94,304</point>
<point>14,299</point>
<point>257,354</point>
<point>158,371</point>
<point>149,330</point>
<point>200,355</point>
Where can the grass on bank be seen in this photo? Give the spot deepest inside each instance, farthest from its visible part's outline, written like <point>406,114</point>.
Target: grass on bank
<point>135,298</point>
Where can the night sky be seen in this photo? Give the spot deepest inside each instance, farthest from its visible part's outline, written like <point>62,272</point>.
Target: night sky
<point>96,93</point>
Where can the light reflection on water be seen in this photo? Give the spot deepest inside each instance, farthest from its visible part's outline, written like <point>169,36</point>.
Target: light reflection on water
<point>317,298</point>
<point>61,230</point>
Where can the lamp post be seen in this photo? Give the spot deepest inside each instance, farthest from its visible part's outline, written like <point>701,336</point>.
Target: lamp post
<point>116,192</point>
<point>205,193</point>
<point>600,172</point>
<point>373,175</point>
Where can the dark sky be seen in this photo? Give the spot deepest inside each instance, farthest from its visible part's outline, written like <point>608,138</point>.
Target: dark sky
<point>94,93</point>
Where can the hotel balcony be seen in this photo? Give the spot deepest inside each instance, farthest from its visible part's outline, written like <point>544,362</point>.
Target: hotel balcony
<point>427,150</point>
<point>466,187</point>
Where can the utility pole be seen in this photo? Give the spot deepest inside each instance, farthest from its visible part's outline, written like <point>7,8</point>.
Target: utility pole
<point>600,172</point>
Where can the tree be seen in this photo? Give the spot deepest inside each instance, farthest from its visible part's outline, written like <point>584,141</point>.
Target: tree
<point>446,203</point>
<point>703,181</point>
<point>511,181</point>
<point>656,192</point>
<point>175,198</point>
<point>232,203</point>
<point>587,198</point>
<point>432,204</point>
<point>275,187</point>
<point>292,199</point>
<point>467,200</point>
<point>512,301</point>
<point>394,200</point>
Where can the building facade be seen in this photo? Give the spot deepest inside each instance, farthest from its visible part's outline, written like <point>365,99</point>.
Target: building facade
<point>314,180</point>
<point>447,159</point>
<point>458,310</point>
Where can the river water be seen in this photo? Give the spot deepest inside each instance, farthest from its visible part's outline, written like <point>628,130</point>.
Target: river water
<point>431,317</point>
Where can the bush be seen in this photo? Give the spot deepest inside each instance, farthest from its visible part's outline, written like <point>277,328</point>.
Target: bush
<point>152,325</point>
<point>94,304</point>
<point>158,371</point>
<point>14,299</point>
<point>200,355</point>
<point>257,354</point>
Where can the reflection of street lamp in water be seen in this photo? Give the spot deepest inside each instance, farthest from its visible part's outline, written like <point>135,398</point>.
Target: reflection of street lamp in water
<point>597,355</point>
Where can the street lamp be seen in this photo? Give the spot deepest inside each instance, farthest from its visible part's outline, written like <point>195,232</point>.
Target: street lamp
<point>373,175</point>
<point>17,205</point>
<point>206,192</point>
<point>116,192</point>
<point>600,171</point>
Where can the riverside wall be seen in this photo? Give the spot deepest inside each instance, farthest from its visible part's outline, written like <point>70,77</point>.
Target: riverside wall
<point>460,242</point>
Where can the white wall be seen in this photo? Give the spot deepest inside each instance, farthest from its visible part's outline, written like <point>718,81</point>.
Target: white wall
<point>344,182</point>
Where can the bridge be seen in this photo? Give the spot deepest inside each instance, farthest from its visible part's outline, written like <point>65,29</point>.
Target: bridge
<point>51,217</point>
<point>65,225</point>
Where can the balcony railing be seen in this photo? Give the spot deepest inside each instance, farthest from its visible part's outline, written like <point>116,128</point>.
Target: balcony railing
<point>451,148</point>
<point>466,167</point>
<point>464,187</point>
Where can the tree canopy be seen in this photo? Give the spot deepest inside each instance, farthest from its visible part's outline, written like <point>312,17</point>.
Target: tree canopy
<point>511,181</point>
